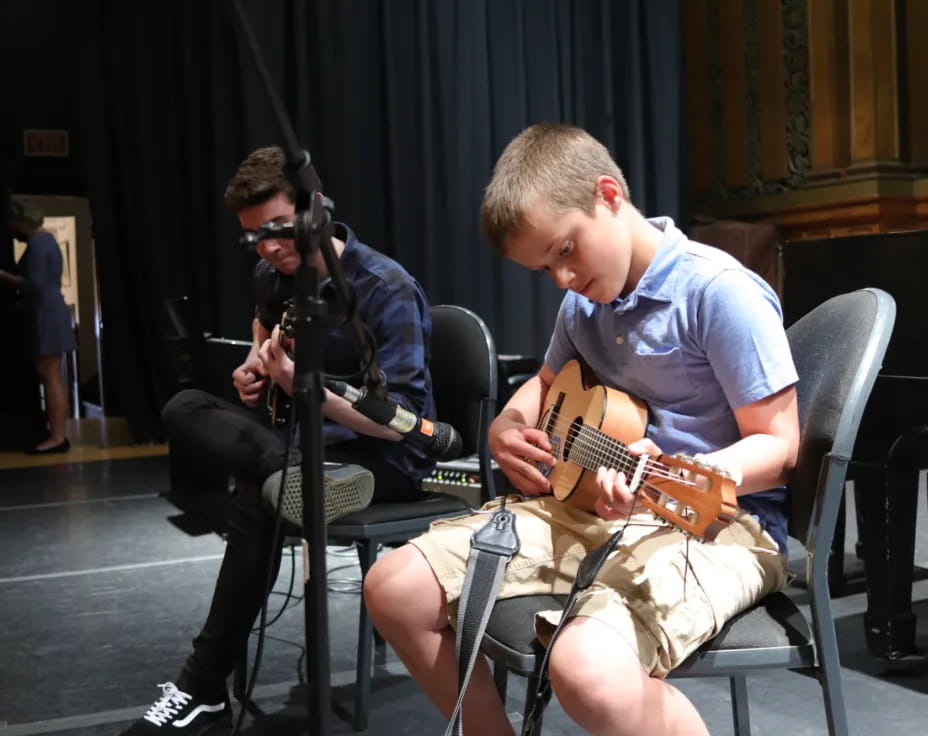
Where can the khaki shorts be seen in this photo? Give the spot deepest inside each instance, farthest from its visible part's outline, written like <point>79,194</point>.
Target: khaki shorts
<point>665,594</point>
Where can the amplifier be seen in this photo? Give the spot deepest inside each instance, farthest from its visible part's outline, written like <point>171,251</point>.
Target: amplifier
<point>462,478</point>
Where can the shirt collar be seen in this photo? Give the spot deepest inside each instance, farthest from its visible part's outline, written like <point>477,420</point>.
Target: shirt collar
<point>345,234</point>
<point>657,282</point>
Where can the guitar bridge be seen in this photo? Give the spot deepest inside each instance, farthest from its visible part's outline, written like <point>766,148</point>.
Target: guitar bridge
<point>638,475</point>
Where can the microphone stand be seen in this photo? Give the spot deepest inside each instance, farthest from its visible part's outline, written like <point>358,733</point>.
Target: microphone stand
<point>311,232</point>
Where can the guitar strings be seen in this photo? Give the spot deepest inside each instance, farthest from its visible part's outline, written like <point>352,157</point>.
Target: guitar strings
<point>602,446</point>
<point>597,443</point>
<point>595,439</point>
<point>646,483</point>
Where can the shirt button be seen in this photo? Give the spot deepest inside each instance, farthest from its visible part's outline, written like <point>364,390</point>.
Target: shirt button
<point>619,340</point>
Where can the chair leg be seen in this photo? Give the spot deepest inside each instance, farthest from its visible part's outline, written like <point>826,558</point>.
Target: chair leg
<point>830,679</point>
<point>501,678</point>
<point>837,578</point>
<point>829,662</point>
<point>739,705</point>
<point>380,650</point>
<point>531,695</point>
<point>367,554</point>
<point>380,644</point>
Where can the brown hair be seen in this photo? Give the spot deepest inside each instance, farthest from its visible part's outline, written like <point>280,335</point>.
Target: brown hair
<point>554,163</point>
<point>258,178</point>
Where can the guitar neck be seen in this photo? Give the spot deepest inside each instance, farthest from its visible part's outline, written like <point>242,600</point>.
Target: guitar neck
<point>593,449</point>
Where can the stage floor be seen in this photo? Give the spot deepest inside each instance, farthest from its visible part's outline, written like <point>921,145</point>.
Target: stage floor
<point>104,582</point>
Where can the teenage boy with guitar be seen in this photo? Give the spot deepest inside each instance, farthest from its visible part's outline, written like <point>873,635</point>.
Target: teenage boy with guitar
<point>394,309</point>
<point>698,339</point>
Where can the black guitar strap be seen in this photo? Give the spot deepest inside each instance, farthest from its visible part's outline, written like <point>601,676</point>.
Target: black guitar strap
<point>492,546</point>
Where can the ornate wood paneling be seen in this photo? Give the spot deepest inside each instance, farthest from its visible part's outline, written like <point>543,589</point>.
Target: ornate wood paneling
<point>771,87</point>
<point>698,95</point>
<point>914,91</point>
<point>818,113</point>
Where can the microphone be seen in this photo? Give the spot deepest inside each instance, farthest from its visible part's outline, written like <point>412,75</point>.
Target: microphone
<point>435,439</point>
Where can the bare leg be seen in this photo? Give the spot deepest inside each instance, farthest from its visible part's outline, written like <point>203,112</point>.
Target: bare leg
<point>407,605</point>
<point>56,399</point>
<point>599,681</point>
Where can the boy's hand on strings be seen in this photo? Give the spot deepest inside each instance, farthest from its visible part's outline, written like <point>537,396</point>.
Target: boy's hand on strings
<point>520,451</point>
<point>615,497</point>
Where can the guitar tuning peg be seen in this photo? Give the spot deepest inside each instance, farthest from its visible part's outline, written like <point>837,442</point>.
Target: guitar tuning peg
<point>703,463</point>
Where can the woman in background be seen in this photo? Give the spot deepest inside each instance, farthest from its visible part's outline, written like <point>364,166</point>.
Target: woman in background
<point>49,331</point>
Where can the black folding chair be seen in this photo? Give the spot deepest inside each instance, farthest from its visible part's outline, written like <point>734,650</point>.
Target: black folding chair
<point>838,348</point>
<point>464,379</point>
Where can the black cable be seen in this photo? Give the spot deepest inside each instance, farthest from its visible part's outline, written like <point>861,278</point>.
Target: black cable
<point>288,594</point>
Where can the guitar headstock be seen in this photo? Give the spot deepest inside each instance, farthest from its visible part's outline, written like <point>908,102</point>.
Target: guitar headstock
<point>695,496</point>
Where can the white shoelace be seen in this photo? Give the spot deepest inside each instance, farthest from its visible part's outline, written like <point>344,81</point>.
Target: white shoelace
<point>172,700</point>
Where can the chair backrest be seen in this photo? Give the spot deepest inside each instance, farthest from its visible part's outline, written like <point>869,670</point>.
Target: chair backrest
<point>838,349</point>
<point>464,378</point>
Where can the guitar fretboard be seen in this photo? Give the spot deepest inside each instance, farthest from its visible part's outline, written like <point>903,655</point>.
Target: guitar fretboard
<point>592,449</point>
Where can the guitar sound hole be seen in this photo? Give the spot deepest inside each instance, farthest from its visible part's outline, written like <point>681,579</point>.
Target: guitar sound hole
<point>570,435</point>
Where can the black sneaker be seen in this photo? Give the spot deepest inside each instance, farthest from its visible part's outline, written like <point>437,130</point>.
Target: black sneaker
<point>348,488</point>
<point>179,713</point>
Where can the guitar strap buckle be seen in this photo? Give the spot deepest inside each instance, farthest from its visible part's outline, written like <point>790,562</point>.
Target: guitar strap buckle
<point>498,536</point>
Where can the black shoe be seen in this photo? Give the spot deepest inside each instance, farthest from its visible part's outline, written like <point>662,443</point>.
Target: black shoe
<point>348,488</point>
<point>182,714</point>
<point>62,446</point>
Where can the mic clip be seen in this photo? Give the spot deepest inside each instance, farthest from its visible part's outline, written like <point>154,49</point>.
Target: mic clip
<point>376,384</point>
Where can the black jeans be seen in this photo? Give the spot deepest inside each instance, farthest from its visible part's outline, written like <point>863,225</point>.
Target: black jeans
<point>229,438</point>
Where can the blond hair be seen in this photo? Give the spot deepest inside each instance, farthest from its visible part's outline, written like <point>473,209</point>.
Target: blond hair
<point>551,163</point>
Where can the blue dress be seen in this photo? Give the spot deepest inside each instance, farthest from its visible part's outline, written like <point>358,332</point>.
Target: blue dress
<point>48,320</point>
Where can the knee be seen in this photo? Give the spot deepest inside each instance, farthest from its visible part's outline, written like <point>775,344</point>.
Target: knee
<point>576,677</point>
<point>594,680</point>
<point>180,405</point>
<point>400,589</point>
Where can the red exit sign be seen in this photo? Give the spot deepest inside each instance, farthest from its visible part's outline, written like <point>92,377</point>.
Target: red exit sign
<point>45,142</point>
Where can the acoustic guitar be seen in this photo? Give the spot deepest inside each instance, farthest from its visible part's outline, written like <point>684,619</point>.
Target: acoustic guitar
<point>277,400</point>
<point>590,426</point>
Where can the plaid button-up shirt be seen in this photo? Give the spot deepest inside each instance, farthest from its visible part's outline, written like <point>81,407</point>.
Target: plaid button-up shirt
<point>393,307</point>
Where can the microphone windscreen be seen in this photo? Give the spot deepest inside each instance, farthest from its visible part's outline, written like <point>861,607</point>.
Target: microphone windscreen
<point>447,443</point>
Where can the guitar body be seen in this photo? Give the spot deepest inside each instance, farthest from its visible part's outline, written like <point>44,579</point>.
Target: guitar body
<point>589,427</point>
<point>278,405</point>
<point>278,401</point>
<point>571,403</point>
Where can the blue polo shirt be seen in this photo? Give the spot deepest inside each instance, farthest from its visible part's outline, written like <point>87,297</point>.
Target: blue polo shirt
<point>699,336</point>
<point>392,306</point>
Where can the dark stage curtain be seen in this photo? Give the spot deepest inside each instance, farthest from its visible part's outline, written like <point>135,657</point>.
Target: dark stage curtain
<point>403,105</point>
